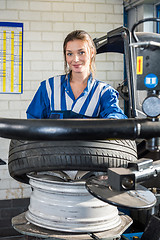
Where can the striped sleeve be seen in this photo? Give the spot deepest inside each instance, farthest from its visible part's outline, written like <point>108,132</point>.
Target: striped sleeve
<point>57,93</point>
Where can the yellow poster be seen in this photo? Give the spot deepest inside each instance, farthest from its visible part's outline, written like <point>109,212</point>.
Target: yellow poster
<point>11,57</point>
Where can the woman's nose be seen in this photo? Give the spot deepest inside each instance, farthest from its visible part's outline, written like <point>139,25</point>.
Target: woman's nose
<point>76,58</point>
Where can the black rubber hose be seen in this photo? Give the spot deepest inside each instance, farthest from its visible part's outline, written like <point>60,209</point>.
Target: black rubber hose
<point>139,22</point>
<point>78,129</point>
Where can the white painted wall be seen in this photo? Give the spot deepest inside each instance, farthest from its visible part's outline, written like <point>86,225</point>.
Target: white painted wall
<point>46,23</point>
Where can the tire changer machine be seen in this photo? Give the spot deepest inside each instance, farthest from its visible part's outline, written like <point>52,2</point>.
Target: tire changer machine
<point>142,98</point>
<point>120,186</point>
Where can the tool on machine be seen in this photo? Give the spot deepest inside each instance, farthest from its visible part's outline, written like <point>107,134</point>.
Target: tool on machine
<point>120,186</point>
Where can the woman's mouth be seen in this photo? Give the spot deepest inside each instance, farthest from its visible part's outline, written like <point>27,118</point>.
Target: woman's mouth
<point>77,65</point>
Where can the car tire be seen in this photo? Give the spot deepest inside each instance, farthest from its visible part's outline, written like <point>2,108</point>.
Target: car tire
<point>36,156</point>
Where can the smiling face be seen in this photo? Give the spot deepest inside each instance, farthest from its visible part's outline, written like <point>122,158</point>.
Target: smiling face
<point>78,56</point>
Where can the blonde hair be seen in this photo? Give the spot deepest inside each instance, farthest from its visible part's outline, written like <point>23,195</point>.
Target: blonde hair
<point>84,36</point>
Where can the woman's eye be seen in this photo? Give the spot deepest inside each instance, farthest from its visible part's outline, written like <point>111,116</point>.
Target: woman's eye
<point>69,54</point>
<point>82,52</point>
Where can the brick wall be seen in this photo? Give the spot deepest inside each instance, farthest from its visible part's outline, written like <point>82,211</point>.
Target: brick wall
<point>46,23</point>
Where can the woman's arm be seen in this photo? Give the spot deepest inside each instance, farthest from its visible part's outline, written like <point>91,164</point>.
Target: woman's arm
<point>110,104</point>
<point>39,107</point>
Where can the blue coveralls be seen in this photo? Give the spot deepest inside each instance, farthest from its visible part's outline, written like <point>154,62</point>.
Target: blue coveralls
<point>55,99</point>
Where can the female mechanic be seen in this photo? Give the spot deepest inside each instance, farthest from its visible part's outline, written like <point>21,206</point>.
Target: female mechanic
<point>76,94</point>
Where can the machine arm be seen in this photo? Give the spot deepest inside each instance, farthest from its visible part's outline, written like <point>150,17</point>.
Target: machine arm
<point>79,129</point>
<point>124,179</point>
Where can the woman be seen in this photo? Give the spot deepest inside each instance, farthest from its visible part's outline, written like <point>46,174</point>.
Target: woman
<point>76,94</point>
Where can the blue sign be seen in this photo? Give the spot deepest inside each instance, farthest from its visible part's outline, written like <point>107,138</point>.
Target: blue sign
<point>151,80</point>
